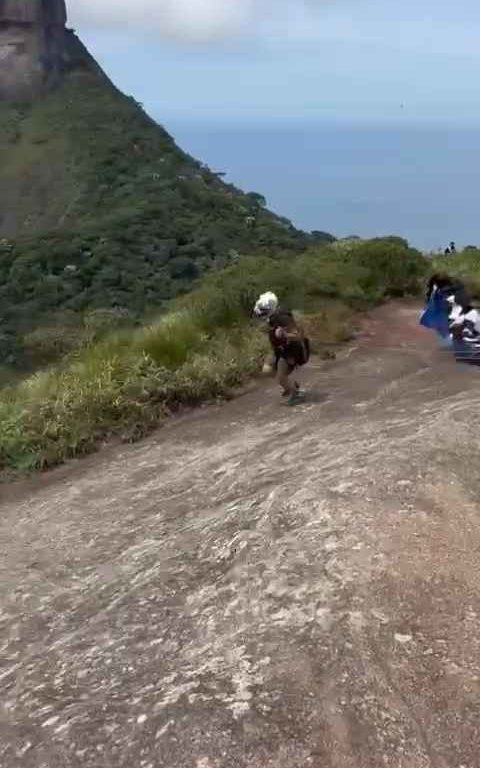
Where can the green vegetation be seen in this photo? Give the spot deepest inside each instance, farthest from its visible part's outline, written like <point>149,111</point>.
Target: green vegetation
<point>203,347</point>
<point>464,265</point>
<point>100,210</point>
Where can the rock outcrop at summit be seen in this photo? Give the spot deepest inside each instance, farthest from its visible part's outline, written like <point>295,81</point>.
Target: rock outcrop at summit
<point>33,46</point>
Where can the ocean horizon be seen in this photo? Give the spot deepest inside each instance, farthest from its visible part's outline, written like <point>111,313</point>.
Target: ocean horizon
<point>420,182</point>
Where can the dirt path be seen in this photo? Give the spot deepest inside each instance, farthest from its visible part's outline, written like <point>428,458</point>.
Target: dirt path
<point>256,586</point>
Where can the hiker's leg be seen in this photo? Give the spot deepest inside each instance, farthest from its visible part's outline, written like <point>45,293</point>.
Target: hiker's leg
<point>295,394</point>
<point>283,373</point>
<point>293,370</point>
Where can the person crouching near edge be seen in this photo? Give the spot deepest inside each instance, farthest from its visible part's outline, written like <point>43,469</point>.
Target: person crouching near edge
<point>291,349</point>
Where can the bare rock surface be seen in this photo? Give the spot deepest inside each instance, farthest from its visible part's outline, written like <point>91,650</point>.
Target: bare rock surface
<point>258,586</point>
<point>33,47</point>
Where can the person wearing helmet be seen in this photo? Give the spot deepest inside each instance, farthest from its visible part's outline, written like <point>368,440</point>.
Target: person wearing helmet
<point>290,347</point>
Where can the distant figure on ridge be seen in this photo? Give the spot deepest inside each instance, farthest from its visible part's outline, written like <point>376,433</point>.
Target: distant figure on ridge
<point>450,249</point>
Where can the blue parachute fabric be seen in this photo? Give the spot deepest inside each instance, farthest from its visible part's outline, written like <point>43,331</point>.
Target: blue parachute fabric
<point>435,316</point>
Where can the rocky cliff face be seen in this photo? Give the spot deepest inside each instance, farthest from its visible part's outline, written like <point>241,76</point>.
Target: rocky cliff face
<point>33,46</point>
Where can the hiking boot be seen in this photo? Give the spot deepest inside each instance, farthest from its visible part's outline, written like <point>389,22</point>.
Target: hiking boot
<point>285,393</point>
<point>296,398</point>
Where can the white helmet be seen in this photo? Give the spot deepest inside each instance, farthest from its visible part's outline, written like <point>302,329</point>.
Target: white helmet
<point>266,304</point>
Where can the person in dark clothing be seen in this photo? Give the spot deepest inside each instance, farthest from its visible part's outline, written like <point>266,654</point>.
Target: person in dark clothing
<point>291,349</point>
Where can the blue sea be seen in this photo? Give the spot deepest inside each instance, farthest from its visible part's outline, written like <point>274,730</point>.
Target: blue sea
<point>420,182</point>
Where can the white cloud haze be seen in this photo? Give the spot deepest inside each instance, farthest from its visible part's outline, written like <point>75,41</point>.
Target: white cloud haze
<point>187,20</point>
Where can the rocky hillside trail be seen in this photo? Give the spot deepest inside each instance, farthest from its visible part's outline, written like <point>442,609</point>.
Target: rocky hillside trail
<point>257,586</point>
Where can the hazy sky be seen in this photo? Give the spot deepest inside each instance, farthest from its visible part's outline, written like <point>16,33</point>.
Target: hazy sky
<point>278,60</point>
